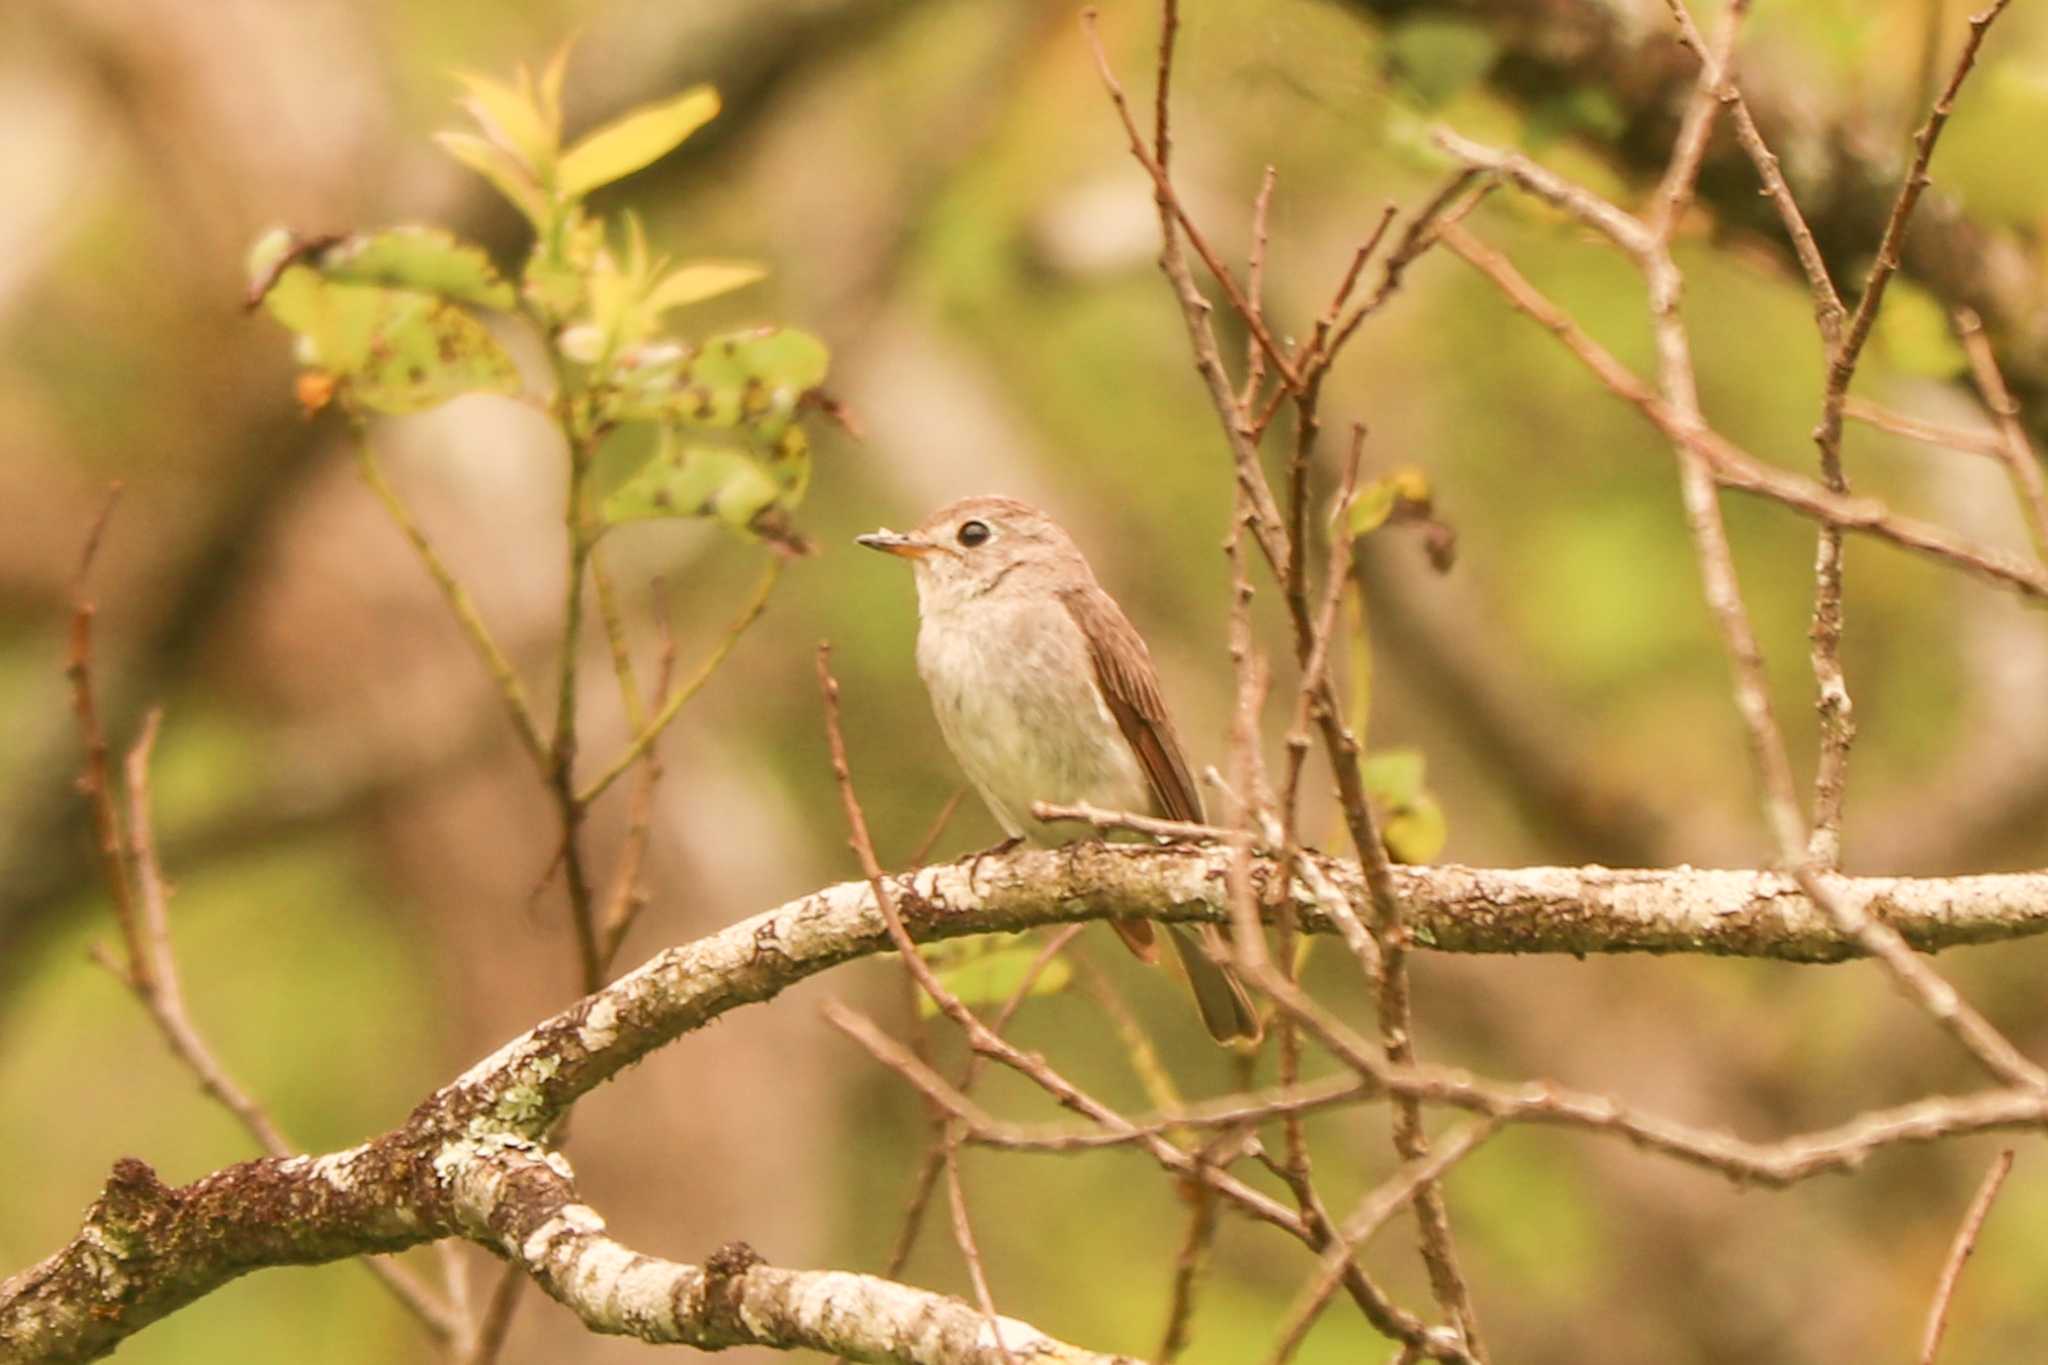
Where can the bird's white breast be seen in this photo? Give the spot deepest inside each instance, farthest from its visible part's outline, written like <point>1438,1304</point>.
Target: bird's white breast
<point>1013,686</point>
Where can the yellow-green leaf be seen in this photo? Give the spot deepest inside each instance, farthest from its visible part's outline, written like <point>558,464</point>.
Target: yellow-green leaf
<point>510,118</point>
<point>1414,828</point>
<point>700,280</point>
<point>507,174</point>
<point>753,378</point>
<point>1416,833</point>
<point>393,350</point>
<point>1393,775</point>
<point>699,477</point>
<point>548,95</point>
<point>632,141</point>
<point>423,258</point>
<point>1380,499</point>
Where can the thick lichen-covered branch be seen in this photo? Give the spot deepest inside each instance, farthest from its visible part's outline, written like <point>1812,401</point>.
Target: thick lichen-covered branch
<point>145,1249</point>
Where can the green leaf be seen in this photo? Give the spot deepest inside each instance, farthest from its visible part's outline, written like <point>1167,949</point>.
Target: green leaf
<point>1371,508</point>
<point>632,141</point>
<point>1416,833</point>
<point>731,448</point>
<point>512,119</point>
<point>989,974</point>
<point>760,371</point>
<point>394,350</point>
<point>755,377</point>
<point>422,258</point>
<point>506,173</point>
<point>700,280</point>
<point>697,476</point>
<point>1382,498</point>
<point>1393,775</point>
<point>1414,829</point>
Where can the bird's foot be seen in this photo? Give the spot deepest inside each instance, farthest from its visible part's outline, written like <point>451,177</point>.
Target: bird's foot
<point>992,851</point>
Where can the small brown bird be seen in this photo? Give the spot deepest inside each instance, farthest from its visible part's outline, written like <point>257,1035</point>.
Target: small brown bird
<point>1046,692</point>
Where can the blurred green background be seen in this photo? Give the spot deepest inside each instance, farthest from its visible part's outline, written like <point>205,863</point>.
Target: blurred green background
<point>943,194</point>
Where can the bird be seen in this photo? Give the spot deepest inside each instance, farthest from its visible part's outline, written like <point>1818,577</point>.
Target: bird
<point>1045,691</point>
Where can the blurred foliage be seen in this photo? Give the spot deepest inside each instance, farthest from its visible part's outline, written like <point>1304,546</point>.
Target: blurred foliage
<point>939,195</point>
<point>382,323</point>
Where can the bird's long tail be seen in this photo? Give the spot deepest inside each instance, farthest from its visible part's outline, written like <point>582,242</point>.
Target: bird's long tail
<point>1226,1009</point>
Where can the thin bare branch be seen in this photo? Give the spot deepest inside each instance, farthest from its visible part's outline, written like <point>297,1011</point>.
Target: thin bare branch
<point>1925,986</point>
<point>749,613</point>
<point>1174,215</point>
<point>1828,310</point>
<point>1188,1265</point>
<point>1875,414</point>
<point>1959,1255</point>
<point>2013,447</point>
<point>1378,1205</point>
<point>1254,289</point>
<point>1734,467</point>
<point>511,691</point>
<point>963,1237</point>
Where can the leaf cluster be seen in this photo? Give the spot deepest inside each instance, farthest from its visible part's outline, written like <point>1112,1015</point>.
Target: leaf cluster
<point>402,319</point>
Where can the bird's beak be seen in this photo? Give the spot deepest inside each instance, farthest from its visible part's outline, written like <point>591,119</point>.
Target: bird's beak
<point>897,543</point>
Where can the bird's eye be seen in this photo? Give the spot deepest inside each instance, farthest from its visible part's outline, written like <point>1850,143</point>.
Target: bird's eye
<point>973,533</point>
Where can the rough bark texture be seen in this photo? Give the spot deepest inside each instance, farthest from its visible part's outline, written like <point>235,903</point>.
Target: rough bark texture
<point>468,1163</point>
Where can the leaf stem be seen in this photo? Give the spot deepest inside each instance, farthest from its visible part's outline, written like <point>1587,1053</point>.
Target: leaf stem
<point>756,603</point>
<point>510,689</point>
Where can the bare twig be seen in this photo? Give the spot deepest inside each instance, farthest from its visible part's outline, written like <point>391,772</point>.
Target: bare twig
<point>1174,214</point>
<point>2013,447</point>
<point>141,899</point>
<point>1696,481</point>
<point>1871,413</point>
<point>614,622</point>
<point>1734,467</point>
<point>1106,821</point>
<point>1959,1255</point>
<point>156,984</point>
<point>626,899</point>
<point>1842,365</point>
<point>937,828</point>
<point>963,1236</point>
<point>1187,1273</point>
<point>1195,312</point>
<point>1838,729</point>
<point>1221,1115</point>
<point>1378,1205</point>
<point>1925,986</point>
<point>1254,290</point>
<point>980,1037</point>
<point>511,691</point>
<point>95,781</point>
<point>933,1166</point>
<point>1828,310</point>
<point>749,613</point>
<point>494,1326</point>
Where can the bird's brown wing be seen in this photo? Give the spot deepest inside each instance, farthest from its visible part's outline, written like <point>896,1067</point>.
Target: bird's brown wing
<point>1130,687</point>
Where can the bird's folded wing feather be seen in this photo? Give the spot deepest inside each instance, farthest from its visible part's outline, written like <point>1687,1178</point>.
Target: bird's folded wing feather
<point>1130,687</point>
